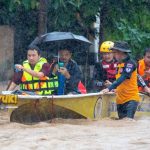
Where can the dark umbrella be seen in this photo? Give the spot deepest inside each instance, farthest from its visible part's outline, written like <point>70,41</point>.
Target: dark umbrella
<point>57,40</point>
<point>58,36</point>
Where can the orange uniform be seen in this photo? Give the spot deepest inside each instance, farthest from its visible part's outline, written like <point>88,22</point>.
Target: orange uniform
<point>128,89</point>
<point>141,70</point>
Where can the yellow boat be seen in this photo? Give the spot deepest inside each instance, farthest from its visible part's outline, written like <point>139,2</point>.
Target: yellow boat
<point>35,108</point>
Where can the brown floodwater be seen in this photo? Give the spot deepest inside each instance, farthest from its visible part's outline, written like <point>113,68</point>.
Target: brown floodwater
<point>75,134</point>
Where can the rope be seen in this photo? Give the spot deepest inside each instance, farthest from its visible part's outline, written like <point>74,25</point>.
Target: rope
<point>8,86</point>
<point>145,93</point>
<point>36,102</point>
<point>53,111</point>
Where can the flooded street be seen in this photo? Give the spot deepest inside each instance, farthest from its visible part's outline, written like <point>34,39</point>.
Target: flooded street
<point>62,59</point>
<point>73,134</point>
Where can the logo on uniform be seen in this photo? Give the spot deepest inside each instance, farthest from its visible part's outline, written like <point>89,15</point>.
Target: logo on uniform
<point>128,70</point>
<point>129,67</point>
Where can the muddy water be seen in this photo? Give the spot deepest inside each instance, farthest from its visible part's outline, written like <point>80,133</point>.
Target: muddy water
<point>81,134</point>
<point>73,134</point>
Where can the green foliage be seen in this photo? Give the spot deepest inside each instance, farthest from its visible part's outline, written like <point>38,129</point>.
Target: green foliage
<point>136,37</point>
<point>127,20</point>
<point>27,4</point>
<point>23,21</point>
<point>71,15</point>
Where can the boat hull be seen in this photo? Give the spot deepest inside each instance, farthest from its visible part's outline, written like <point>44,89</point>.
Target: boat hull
<point>32,109</point>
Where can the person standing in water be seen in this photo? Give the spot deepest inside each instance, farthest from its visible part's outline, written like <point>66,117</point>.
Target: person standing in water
<point>126,81</point>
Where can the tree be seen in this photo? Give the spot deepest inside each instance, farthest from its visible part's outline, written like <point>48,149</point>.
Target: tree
<point>42,19</point>
<point>78,16</point>
<point>128,20</point>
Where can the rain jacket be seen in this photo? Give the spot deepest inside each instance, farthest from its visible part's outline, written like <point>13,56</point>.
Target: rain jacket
<point>74,83</point>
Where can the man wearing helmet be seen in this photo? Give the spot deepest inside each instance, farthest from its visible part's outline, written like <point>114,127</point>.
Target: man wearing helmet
<point>105,70</point>
<point>126,81</point>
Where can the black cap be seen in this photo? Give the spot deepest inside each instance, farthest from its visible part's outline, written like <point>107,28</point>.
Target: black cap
<point>121,46</point>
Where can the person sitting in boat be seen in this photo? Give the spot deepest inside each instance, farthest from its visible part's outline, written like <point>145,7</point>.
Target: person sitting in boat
<point>68,72</point>
<point>144,68</point>
<point>30,75</point>
<point>126,81</point>
<point>105,70</point>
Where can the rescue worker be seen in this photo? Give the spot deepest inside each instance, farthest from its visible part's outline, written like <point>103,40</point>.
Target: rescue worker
<point>126,81</point>
<point>30,76</point>
<point>144,68</point>
<point>104,71</point>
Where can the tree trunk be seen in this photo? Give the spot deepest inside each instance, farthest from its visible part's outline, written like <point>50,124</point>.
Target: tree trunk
<point>42,19</point>
<point>103,15</point>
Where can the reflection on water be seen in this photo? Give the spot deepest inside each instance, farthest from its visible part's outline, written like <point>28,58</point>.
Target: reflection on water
<point>75,134</point>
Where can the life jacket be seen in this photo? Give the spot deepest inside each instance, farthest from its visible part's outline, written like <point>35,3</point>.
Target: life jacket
<point>110,69</point>
<point>42,86</point>
<point>141,70</point>
<point>128,89</point>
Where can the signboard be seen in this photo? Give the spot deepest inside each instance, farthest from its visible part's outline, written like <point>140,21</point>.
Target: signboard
<point>8,101</point>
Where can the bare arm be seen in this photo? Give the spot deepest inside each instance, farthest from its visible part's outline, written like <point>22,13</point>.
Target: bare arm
<point>12,86</point>
<point>146,89</point>
<point>34,73</point>
<point>31,72</point>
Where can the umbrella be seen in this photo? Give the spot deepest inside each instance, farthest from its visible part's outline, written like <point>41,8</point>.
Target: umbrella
<point>58,36</point>
<point>57,40</point>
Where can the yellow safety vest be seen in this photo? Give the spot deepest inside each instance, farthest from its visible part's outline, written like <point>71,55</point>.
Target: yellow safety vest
<point>42,86</point>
